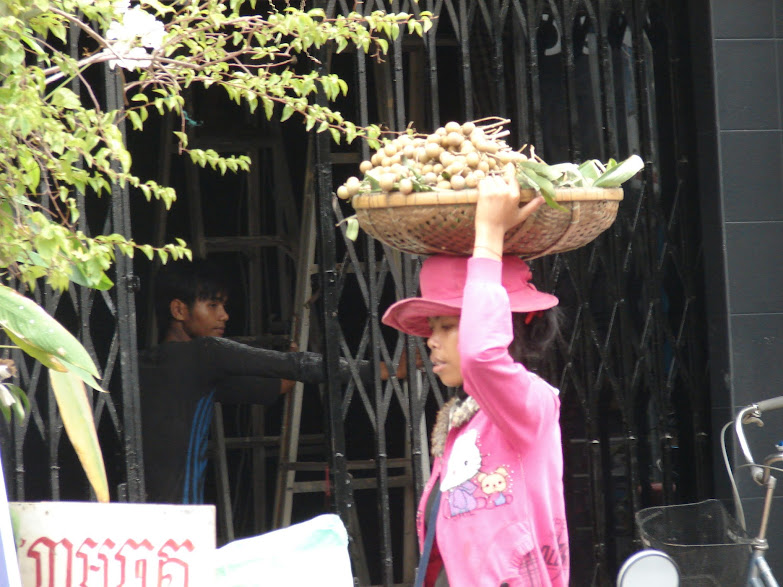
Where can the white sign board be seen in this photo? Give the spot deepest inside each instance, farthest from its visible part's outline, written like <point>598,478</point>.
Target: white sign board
<point>102,545</point>
<point>9,566</point>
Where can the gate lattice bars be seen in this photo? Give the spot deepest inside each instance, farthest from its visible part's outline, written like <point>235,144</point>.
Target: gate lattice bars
<point>105,323</point>
<point>579,80</point>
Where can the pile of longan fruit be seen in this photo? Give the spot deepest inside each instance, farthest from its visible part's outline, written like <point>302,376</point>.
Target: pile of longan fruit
<point>456,156</point>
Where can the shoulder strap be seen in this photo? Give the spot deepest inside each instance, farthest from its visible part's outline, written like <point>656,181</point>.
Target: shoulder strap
<point>429,539</point>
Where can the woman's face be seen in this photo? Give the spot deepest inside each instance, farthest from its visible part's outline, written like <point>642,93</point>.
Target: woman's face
<point>444,353</point>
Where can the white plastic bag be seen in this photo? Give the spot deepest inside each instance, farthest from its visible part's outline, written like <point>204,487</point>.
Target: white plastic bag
<point>310,553</point>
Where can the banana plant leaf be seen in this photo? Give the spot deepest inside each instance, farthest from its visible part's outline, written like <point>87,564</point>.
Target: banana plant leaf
<point>71,396</point>
<point>70,366</point>
<point>40,335</point>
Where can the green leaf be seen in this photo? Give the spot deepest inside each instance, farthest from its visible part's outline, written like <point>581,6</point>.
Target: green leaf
<point>148,251</point>
<point>287,112</point>
<point>13,398</point>
<point>32,44</point>
<point>620,173</point>
<point>135,119</point>
<point>541,169</point>
<point>22,405</point>
<point>26,321</point>
<point>102,283</point>
<point>591,169</point>
<point>58,30</point>
<point>46,359</point>
<point>375,185</point>
<point>83,375</point>
<point>65,98</point>
<point>351,228</point>
<point>78,421</point>
<point>565,168</point>
<point>529,178</point>
<point>125,160</point>
<point>183,138</point>
<point>33,173</point>
<point>269,107</point>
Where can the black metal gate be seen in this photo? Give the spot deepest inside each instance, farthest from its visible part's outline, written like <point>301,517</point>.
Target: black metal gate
<point>38,459</point>
<point>579,80</point>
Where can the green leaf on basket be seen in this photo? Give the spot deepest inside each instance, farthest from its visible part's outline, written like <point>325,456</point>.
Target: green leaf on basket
<point>351,228</point>
<point>417,180</point>
<point>375,186</point>
<point>527,178</point>
<point>570,176</point>
<point>542,170</point>
<point>591,170</point>
<point>618,174</point>
<point>419,186</point>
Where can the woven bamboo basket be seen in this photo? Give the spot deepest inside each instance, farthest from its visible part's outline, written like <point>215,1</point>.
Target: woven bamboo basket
<point>441,222</point>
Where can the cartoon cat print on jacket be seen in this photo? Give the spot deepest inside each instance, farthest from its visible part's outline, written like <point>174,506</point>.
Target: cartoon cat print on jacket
<point>468,489</point>
<point>457,484</point>
<point>464,477</point>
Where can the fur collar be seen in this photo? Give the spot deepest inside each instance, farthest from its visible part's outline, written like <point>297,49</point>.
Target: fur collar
<point>455,413</point>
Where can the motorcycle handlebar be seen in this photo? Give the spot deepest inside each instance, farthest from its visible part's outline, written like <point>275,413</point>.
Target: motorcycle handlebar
<point>767,405</point>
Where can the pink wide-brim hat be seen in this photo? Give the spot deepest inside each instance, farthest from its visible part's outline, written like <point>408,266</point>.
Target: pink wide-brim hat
<point>442,280</point>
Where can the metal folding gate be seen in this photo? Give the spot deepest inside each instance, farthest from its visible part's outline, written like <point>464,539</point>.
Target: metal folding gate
<point>578,79</point>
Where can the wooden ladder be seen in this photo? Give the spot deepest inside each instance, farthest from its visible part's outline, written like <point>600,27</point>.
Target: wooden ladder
<point>291,439</point>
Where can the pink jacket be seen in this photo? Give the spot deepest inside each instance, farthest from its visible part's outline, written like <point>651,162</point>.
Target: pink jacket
<point>502,514</point>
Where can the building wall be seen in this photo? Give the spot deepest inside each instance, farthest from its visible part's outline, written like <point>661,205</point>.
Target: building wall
<point>738,83</point>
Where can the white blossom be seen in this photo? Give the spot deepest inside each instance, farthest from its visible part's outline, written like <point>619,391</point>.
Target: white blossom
<point>129,36</point>
<point>137,24</point>
<point>129,58</point>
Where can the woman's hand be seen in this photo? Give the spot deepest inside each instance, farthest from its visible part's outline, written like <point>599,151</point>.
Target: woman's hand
<point>498,209</point>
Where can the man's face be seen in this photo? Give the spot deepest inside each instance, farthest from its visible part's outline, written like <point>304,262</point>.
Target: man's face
<point>205,318</point>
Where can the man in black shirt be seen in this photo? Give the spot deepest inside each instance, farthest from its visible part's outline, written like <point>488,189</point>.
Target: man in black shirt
<point>192,367</point>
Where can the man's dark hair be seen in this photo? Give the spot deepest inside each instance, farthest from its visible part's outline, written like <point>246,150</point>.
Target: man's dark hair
<point>187,281</point>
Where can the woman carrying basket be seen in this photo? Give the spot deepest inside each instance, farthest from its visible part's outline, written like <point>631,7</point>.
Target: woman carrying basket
<point>495,497</point>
